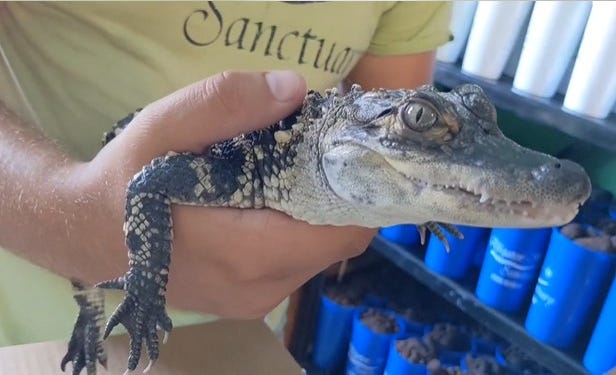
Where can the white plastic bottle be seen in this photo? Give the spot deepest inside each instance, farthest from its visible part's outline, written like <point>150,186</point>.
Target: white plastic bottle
<point>462,13</point>
<point>592,88</point>
<point>496,26</point>
<point>552,37</point>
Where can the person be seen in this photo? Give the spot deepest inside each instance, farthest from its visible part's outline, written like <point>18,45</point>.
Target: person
<point>70,70</point>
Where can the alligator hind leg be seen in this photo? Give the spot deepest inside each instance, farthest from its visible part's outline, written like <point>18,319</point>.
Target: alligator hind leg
<point>85,347</point>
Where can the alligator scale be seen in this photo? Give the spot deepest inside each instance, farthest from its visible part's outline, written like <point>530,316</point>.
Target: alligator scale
<point>366,158</point>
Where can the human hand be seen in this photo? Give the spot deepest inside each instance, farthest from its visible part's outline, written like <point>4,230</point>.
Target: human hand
<point>230,262</point>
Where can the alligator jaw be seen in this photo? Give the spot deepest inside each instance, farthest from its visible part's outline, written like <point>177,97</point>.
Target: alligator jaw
<point>472,204</point>
<point>528,213</point>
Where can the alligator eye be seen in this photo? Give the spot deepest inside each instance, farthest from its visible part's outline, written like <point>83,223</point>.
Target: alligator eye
<point>419,116</point>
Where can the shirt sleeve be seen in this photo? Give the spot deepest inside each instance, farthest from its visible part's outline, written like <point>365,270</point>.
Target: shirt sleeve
<point>412,27</point>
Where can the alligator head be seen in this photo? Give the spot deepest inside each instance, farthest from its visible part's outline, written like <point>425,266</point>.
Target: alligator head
<point>418,156</point>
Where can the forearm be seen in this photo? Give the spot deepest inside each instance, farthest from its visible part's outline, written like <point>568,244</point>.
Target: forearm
<point>405,71</point>
<point>44,216</point>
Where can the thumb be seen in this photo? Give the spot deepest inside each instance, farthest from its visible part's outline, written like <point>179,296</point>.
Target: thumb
<point>217,108</point>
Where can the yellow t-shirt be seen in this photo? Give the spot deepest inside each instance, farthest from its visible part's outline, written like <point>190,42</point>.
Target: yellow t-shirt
<point>73,69</point>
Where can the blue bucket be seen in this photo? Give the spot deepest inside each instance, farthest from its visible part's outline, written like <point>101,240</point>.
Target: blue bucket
<point>375,300</point>
<point>451,358</point>
<point>332,335</point>
<point>457,261</point>
<point>600,356</point>
<point>481,346</point>
<point>398,365</point>
<point>510,266</point>
<point>480,252</point>
<point>413,328</point>
<point>404,234</point>
<point>568,287</point>
<point>368,350</point>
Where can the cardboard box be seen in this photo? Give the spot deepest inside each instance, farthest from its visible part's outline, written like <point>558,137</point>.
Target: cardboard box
<point>223,347</point>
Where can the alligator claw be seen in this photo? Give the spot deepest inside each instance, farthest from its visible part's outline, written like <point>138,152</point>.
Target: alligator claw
<point>435,229</point>
<point>141,317</point>
<point>421,228</point>
<point>85,347</point>
<point>453,230</point>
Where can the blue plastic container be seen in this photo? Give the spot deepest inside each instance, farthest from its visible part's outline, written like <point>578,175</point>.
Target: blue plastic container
<point>457,261</point>
<point>368,349</point>
<point>398,365</point>
<point>413,328</point>
<point>480,251</point>
<point>451,358</point>
<point>404,234</point>
<point>600,354</point>
<point>375,300</point>
<point>480,346</point>
<point>568,287</point>
<point>510,267</point>
<point>332,335</point>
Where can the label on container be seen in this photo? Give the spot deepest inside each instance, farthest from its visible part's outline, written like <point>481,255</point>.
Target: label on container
<point>514,269</point>
<point>361,365</point>
<point>541,294</point>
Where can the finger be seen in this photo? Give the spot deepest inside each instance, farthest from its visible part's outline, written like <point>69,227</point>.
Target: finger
<point>218,108</point>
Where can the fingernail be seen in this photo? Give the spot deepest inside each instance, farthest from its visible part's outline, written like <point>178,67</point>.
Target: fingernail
<point>283,84</point>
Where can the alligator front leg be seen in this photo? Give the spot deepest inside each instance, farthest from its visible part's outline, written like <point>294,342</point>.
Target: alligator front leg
<point>142,311</point>
<point>148,229</point>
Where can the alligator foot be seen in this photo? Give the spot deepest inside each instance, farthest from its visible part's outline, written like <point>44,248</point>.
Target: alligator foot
<point>85,347</point>
<point>142,313</point>
<point>435,228</point>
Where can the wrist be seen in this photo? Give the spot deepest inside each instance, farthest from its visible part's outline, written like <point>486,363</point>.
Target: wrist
<point>92,241</point>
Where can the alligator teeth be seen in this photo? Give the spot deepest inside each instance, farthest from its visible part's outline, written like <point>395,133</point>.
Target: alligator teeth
<point>484,198</point>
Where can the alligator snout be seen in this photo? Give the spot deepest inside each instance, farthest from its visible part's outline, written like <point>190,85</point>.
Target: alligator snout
<point>540,172</point>
<point>566,178</point>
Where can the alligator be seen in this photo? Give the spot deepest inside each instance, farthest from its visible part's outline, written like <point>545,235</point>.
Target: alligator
<point>367,158</point>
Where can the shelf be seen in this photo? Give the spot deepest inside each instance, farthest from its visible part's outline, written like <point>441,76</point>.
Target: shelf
<point>546,112</point>
<point>465,300</point>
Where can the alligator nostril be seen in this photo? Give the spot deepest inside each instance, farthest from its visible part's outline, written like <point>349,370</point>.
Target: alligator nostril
<point>557,165</point>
